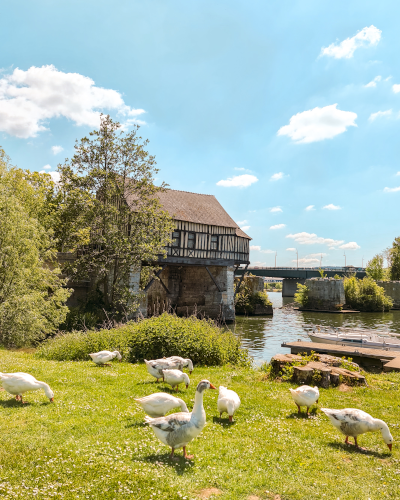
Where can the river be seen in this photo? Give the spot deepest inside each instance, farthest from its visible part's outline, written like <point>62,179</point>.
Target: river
<point>263,335</point>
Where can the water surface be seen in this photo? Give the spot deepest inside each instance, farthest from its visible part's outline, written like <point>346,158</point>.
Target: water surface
<point>263,335</point>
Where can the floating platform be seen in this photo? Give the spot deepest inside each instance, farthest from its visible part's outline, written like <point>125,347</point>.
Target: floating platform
<point>363,356</point>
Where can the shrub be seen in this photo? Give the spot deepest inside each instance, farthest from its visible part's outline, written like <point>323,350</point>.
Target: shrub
<point>166,335</point>
<point>301,296</point>
<point>246,300</point>
<point>365,295</point>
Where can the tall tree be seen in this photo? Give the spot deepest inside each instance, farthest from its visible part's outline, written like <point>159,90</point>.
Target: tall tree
<point>111,179</point>
<point>395,260</point>
<point>375,268</point>
<point>32,297</point>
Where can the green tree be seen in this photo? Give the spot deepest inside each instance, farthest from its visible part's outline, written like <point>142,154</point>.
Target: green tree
<point>32,297</point>
<point>366,295</point>
<point>110,179</point>
<point>375,269</point>
<point>395,260</point>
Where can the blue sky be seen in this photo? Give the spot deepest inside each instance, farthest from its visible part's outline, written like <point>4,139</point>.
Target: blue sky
<point>273,107</point>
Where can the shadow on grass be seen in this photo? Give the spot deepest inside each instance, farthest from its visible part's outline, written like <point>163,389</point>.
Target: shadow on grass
<point>303,414</point>
<point>136,424</point>
<point>224,422</point>
<point>181,465</point>
<point>352,449</point>
<point>13,403</point>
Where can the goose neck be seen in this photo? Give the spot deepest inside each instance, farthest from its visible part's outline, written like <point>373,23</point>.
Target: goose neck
<point>198,404</point>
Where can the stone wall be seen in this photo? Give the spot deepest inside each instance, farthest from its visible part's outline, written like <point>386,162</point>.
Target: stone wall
<point>392,290</point>
<point>325,293</point>
<point>192,291</point>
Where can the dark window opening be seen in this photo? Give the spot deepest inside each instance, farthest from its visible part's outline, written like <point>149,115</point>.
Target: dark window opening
<point>176,239</point>
<point>214,242</point>
<point>191,240</point>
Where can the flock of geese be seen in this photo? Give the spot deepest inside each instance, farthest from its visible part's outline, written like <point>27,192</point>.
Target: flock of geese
<point>178,429</point>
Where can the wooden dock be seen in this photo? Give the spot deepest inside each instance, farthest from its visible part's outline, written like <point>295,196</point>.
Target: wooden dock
<point>362,355</point>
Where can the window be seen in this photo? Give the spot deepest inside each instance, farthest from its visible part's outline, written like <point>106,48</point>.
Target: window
<point>191,240</point>
<point>214,242</point>
<point>176,239</point>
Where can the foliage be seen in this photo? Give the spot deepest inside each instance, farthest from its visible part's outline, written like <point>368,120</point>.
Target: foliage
<point>366,295</point>
<point>165,335</point>
<point>395,260</point>
<point>375,269</point>
<point>322,273</point>
<point>246,300</point>
<point>337,277</point>
<point>301,296</point>
<point>108,186</point>
<point>32,296</point>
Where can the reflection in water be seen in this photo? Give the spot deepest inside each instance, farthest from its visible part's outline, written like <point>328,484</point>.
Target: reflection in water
<point>263,335</point>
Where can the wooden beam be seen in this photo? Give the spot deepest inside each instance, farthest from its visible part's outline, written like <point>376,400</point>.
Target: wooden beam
<point>165,287</point>
<point>212,277</point>
<point>241,279</point>
<point>155,276</point>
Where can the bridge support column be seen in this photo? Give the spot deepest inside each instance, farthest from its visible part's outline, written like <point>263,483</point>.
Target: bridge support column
<point>289,286</point>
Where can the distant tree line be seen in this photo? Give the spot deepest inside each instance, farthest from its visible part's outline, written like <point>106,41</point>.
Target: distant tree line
<point>376,266</point>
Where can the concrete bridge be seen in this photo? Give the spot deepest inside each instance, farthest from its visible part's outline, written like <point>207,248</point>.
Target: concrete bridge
<point>293,275</point>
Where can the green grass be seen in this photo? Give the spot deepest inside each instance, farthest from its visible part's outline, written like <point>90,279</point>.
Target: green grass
<point>91,443</point>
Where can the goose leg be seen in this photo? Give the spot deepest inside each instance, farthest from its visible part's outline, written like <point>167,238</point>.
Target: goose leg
<point>220,414</point>
<point>298,407</point>
<point>346,441</point>
<point>172,455</point>
<point>308,413</point>
<point>185,455</point>
<point>230,418</point>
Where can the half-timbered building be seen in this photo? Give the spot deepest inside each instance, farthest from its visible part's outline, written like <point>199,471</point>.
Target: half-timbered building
<point>197,274</point>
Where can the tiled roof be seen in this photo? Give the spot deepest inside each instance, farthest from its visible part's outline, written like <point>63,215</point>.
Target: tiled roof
<point>197,208</point>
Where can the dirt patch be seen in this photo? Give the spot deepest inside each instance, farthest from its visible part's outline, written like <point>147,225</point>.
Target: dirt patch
<point>253,497</point>
<point>28,350</point>
<point>209,492</point>
<point>347,460</point>
<point>345,388</point>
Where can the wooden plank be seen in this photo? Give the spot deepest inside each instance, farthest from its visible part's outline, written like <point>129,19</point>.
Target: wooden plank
<point>155,276</point>
<point>342,350</point>
<point>212,277</point>
<point>393,365</point>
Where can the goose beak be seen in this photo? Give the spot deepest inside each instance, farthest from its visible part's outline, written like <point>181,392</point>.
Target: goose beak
<point>212,386</point>
<point>52,401</point>
<point>390,446</point>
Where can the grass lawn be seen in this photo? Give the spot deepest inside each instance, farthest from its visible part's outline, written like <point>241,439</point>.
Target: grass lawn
<point>92,443</point>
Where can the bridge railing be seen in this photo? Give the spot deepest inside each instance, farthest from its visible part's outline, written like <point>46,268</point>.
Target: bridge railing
<point>330,269</point>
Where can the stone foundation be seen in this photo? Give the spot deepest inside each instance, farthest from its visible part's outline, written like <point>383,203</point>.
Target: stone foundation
<point>392,290</point>
<point>325,294</point>
<point>191,290</point>
<point>289,286</point>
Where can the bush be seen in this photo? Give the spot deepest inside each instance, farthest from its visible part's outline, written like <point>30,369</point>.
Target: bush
<point>246,300</point>
<point>301,296</point>
<point>165,335</point>
<point>365,295</point>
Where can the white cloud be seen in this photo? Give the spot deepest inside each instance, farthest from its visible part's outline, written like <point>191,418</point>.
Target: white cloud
<point>312,239</point>
<point>55,176</point>
<point>278,226</point>
<point>306,260</point>
<point>319,254</point>
<point>378,114</point>
<point>318,124</point>
<point>57,149</point>
<point>245,228</point>
<point>291,249</point>
<point>352,245</point>
<point>277,177</point>
<point>367,37</point>
<point>267,251</point>
<point>398,173</point>
<point>309,208</point>
<point>259,264</point>
<point>275,209</point>
<point>28,99</point>
<point>396,88</point>
<point>374,81</point>
<point>46,167</point>
<point>244,180</point>
<point>255,247</point>
<point>331,206</point>
<point>241,222</point>
<point>391,190</point>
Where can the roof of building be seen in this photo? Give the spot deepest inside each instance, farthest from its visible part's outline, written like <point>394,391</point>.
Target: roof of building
<point>197,208</point>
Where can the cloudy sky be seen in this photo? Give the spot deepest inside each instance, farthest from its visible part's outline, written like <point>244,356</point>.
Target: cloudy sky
<point>287,111</point>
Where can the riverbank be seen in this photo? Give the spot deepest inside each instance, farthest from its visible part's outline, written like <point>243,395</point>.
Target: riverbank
<point>92,442</point>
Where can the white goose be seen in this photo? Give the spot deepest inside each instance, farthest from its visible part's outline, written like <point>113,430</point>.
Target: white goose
<point>305,396</point>
<point>154,368</point>
<point>228,401</point>
<point>19,383</point>
<point>178,362</point>
<point>353,422</point>
<point>101,358</point>
<point>160,403</point>
<point>178,429</point>
<point>175,377</point>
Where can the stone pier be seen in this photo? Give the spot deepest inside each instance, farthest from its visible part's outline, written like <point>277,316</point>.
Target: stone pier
<point>392,290</point>
<point>325,294</point>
